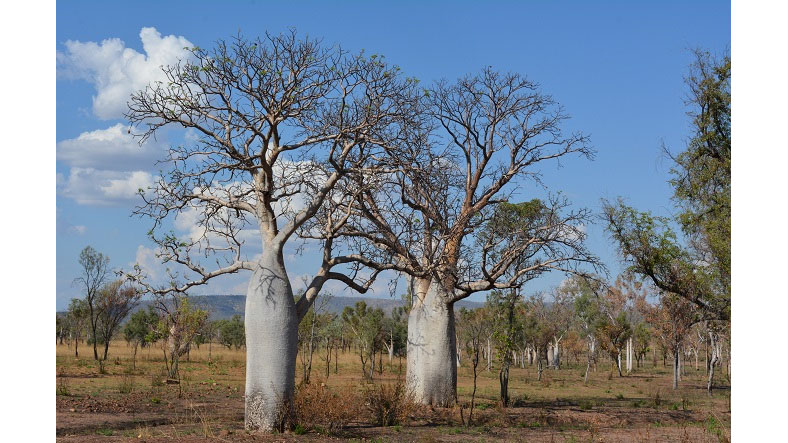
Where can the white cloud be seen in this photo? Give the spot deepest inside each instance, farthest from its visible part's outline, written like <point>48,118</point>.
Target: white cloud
<point>117,71</point>
<point>88,186</point>
<point>150,264</point>
<point>112,148</point>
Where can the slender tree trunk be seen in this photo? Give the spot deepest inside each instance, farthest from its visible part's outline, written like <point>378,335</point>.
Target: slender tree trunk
<point>106,348</point>
<point>308,371</point>
<point>475,364</point>
<point>431,362</point>
<point>712,361</point>
<point>271,325</point>
<point>134,359</point>
<point>503,379</point>
<point>676,369</point>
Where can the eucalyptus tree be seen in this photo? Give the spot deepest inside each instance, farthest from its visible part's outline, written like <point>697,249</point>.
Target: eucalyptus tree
<point>696,267</point>
<point>94,270</point>
<point>506,313</point>
<point>232,332</point>
<point>672,319</point>
<point>366,325</point>
<point>77,316</point>
<point>113,303</point>
<point>473,327</point>
<point>481,139</point>
<point>279,123</point>
<point>140,329</point>
<point>588,311</point>
<point>179,323</point>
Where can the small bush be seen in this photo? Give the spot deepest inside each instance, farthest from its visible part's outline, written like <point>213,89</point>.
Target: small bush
<point>389,404</point>
<point>63,386</point>
<point>126,384</point>
<point>299,430</point>
<point>619,396</point>
<point>156,379</point>
<point>318,407</point>
<point>656,399</point>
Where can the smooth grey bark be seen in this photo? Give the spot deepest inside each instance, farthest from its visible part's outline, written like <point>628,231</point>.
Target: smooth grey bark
<point>432,363</point>
<point>713,361</point>
<point>271,324</point>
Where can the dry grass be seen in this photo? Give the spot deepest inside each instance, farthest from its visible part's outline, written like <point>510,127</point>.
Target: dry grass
<point>209,401</point>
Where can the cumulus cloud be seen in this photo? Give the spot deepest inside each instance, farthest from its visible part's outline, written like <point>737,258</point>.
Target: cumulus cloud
<point>112,148</point>
<point>117,71</point>
<point>90,186</point>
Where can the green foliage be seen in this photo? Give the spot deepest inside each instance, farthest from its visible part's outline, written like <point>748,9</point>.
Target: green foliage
<point>141,327</point>
<point>232,332</point>
<point>366,325</point>
<point>697,269</point>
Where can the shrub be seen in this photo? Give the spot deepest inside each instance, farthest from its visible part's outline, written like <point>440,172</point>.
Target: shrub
<point>62,386</point>
<point>317,406</point>
<point>389,404</point>
<point>126,384</point>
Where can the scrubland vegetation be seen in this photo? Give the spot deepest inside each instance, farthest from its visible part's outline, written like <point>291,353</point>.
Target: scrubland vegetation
<point>139,403</point>
<point>414,183</point>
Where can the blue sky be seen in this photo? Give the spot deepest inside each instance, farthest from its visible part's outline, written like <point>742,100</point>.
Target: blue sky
<point>616,67</point>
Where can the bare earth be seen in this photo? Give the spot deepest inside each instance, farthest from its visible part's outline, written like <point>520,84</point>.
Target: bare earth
<point>135,404</point>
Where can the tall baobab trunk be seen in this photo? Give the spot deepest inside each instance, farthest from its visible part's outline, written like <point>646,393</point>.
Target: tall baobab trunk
<point>432,363</point>
<point>271,344</point>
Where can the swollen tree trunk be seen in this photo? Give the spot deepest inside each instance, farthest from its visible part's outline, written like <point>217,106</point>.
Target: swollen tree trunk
<point>432,363</point>
<point>271,323</point>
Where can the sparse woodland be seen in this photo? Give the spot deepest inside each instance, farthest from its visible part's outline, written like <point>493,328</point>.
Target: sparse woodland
<point>303,142</point>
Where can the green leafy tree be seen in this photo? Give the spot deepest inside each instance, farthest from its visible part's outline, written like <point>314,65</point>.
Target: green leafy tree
<point>506,321</point>
<point>179,323</point>
<point>231,332</point>
<point>78,316</point>
<point>140,329</point>
<point>114,302</point>
<point>366,325</point>
<point>94,269</point>
<point>696,267</point>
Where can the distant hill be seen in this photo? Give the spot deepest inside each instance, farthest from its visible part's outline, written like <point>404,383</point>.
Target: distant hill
<point>225,306</point>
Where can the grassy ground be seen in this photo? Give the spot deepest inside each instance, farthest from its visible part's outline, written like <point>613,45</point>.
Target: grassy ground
<point>136,402</point>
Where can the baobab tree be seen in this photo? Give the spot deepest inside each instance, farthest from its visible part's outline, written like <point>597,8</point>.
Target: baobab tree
<point>481,139</point>
<point>279,124</point>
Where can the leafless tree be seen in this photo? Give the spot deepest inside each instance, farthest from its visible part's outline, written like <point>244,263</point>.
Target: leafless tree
<point>280,122</point>
<point>480,140</point>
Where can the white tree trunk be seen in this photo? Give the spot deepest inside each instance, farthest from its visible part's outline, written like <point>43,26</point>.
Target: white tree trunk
<point>271,345</point>
<point>432,363</point>
<point>629,354</point>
